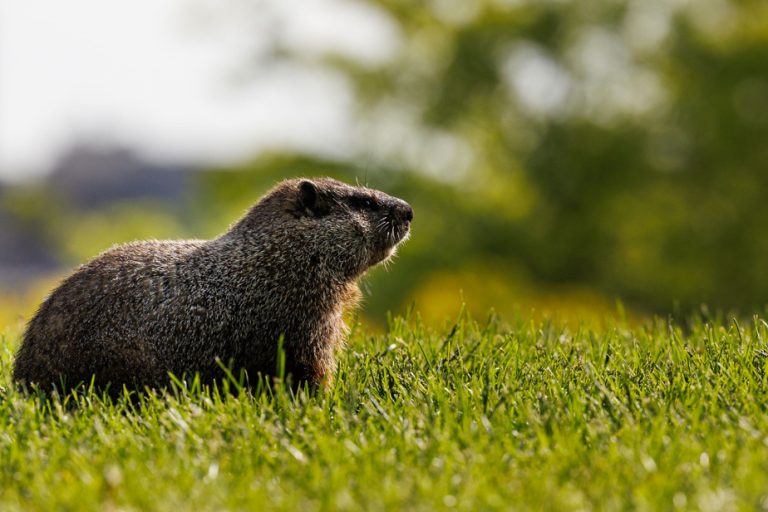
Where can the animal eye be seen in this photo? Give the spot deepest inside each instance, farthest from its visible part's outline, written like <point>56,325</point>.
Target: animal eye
<point>365,202</point>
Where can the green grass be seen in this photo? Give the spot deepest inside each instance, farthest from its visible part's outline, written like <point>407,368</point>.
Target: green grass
<point>473,417</point>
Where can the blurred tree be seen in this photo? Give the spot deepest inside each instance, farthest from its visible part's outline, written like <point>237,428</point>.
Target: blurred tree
<point>615,144</point>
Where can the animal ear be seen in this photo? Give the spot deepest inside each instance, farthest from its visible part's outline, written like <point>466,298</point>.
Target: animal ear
<point>309,197</point>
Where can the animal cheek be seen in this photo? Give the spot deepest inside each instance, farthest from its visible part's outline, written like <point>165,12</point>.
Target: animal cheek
<point>359,219</point>
<point>359,227</point>
<point>360,241</point>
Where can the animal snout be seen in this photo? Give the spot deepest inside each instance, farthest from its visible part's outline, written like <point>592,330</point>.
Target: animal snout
<point>402,211</point>
<point>408,213</point>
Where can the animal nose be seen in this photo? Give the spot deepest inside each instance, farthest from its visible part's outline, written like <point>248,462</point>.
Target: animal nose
<point>408,212</point>
<point>402,211</point>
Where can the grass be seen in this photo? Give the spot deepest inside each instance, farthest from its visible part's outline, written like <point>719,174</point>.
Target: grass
<point>472,416</point>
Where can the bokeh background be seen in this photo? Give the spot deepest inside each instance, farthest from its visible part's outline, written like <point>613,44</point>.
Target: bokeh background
<point>574,158</point>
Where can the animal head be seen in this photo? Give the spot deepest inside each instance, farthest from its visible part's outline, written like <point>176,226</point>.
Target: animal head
<point>348,228</point>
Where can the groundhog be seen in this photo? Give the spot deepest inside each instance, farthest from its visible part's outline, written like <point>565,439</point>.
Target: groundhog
<point>285,272</point>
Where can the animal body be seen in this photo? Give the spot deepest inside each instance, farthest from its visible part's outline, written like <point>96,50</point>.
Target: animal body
<point>285,271</point>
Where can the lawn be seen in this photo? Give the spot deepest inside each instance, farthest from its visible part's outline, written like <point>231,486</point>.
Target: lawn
<point>489,415</point>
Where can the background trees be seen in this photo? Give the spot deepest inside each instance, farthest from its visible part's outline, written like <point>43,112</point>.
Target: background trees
<point>618,146</point>
<point>557,153</point>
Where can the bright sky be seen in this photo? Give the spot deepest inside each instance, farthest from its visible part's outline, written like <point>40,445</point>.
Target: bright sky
<point>175,79</point>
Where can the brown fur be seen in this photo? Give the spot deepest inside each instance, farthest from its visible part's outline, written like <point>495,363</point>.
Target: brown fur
<point>287,269</point>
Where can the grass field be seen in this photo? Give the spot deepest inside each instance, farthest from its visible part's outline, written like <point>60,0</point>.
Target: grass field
<point>471,416</point>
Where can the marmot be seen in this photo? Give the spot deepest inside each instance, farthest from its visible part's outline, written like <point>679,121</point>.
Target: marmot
<point>285,271</point>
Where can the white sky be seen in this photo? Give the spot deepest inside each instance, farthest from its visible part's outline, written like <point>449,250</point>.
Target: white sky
<point>172,78</point>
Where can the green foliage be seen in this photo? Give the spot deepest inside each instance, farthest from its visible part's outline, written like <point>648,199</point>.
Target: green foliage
<point>74,235</point>
<point>630,133</point>
<point>88,234</point>
<point>473,416</point>
<point>599,149</point>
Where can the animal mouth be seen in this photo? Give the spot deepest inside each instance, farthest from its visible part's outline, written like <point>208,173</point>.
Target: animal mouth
<point>392,229</point>
<point>395,232</point>
<point>401,233</point>
<point>392,234</point>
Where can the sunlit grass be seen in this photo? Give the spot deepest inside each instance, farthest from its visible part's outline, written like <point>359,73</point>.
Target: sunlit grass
<point>473,416</point>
